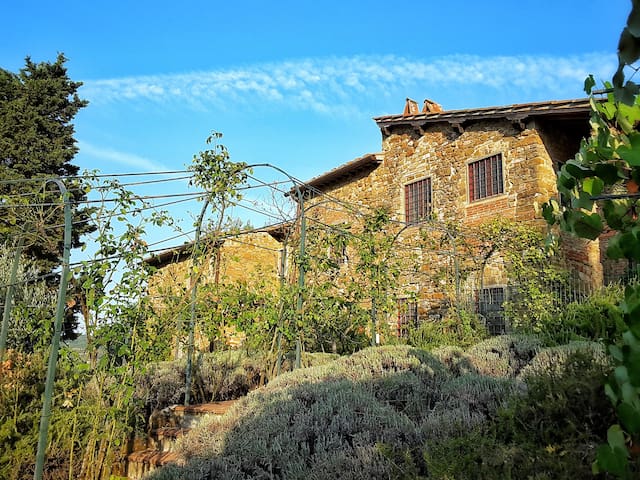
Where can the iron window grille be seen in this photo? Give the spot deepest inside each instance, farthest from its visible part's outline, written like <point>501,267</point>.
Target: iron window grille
<point>417,201</point>
<point>407,316</point>
<point>485,178</point>
<point>490,306</point>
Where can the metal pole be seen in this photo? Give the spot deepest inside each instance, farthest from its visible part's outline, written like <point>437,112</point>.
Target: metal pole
<point>55,342</point>
<point>283,266</point>
<point>301,272</point>
<point>194,290</point>
<point>8,298</point>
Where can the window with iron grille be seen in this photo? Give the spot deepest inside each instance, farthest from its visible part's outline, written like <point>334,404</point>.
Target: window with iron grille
<point>485,178</point>
<point>407,316</point>
<point>490,306</point>
<point>417,201</point>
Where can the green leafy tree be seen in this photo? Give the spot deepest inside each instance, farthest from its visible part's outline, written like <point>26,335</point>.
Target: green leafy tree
<point>37,107</point>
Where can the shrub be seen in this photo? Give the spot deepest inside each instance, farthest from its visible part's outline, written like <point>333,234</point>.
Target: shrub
<point>406,378</point>
<point>555,360</point>
<point>163,384</point>
<point>569,396</point>
<point>459,328</point>
<point>466,402</point>
<point>217,376</point>
<point>505,355</point>
<point>375,361</point>
<point>454,359</point>
<point>308,359</point>
<point>321,422</point>
<point>598,318</point>
<point>302,432</point>
<point>549,431</point>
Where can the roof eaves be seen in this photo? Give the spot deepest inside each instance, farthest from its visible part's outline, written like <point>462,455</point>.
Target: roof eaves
<point>341,172</point>
<point>555,107</point>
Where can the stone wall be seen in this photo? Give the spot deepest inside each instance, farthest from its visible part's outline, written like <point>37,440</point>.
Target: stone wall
<point>247,257</point>
<point>252,258</point>
<point>530,157</point>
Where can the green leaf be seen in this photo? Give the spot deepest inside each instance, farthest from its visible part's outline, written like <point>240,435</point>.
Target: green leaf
<point>621,375</point>
<point>566,181</point>
<point>615,437</point>
<point>611,394</point>
<point>631,153</point>
<point>626,94</point>
<point>612,460</point>
<point>630,245</point>
<point>616,352</point>
<point>613,249</point>
<point>607,172</point>
<point>576,169</point>
<point>593,186</point>
<point>548,213</point>
<point>586,225</point>
<point>633,21</point>
<point>633,363</point>
<point>582,201</point>
<point>628,47</point>
<point>630,112</point>
<point>614,212</point>
<point>589,83</point>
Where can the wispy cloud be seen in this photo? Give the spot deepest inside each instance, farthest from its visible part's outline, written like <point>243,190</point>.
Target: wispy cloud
<point>133,162</point>
<point>331,84</point>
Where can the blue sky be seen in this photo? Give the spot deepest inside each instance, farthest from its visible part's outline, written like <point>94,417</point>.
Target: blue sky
<point>297,83</point>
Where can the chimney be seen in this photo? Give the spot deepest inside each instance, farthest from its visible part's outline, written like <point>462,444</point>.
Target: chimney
<point>431,107</point>
<point>410,108</point>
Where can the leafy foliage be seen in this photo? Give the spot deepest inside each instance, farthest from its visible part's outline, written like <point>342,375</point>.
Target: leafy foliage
<point>32,302</point>
<point>609,161</point>
<point>596,318</point>
<point>37,106</point>
<point>459,328</point>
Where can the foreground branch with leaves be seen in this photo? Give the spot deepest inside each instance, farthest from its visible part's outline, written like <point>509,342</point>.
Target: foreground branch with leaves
<point>598,187</point>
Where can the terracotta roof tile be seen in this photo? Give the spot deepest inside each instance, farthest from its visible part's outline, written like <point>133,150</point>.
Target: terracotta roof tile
<point>555,107</point>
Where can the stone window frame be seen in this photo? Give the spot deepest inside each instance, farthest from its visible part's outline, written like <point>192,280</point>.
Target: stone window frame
<point>426,203</point>
<point>481,189</point>
<point>407,316</point>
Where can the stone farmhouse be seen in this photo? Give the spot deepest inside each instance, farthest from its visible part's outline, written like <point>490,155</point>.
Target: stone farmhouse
<point>461,167</point>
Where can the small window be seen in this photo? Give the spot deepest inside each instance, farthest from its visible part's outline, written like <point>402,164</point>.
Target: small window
<point>490,306</point>
<point>407,316</point>
<point>417,201</point>
<point>485,178</point>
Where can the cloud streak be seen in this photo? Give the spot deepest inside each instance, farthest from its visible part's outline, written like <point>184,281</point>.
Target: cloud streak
<point>109,156</point>
<point>333,84</point>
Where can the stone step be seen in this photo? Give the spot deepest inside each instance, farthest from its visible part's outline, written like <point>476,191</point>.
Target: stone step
<point>172,423</point>
<point>164,438</point>
<point>145,461</point>
<point>188,416</point>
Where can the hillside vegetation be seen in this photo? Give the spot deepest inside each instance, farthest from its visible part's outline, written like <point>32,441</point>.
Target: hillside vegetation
<point>505,408</point>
